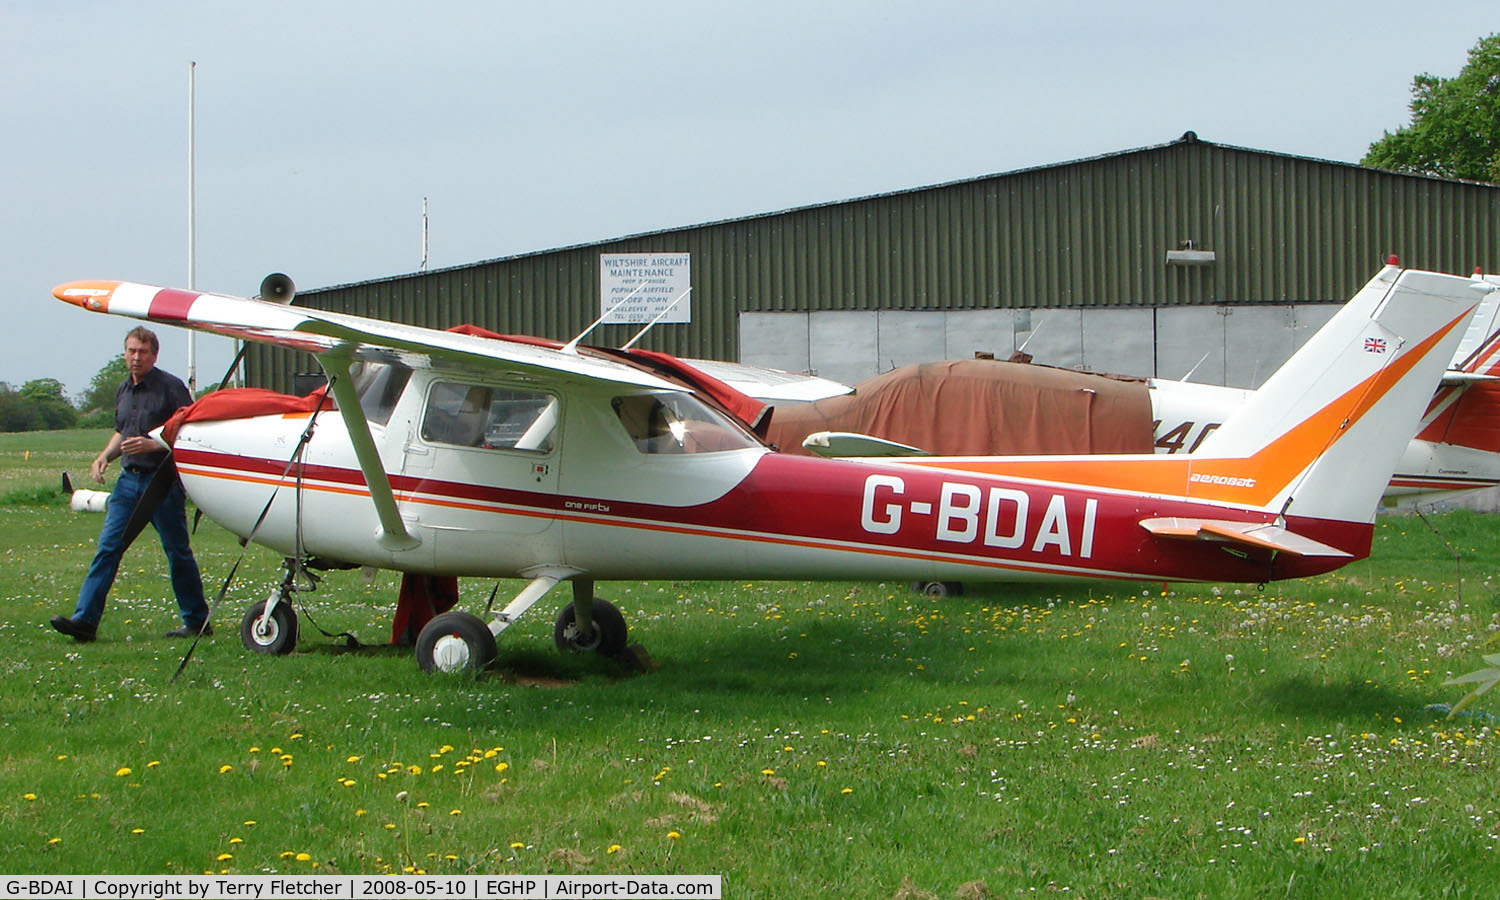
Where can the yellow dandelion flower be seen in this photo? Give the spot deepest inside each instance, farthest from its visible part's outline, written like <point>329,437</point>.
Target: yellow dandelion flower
<point>455,812</point>
<point>422,804</point>
<point>153,763</point>
<point>436,768</point>
<point>303,857</point>
<point>28,796</point>
<point>1299,839</point>
<point>517,845</point>
<point>61,757</point>
<point>287,854</point>
<point>359,812</point>
<point>847,790</point>
<point>235,840</point>
<point>254,749</point>
<point>249,823</point>
<point>446,748</point>
<point>673,835</point>
<point>613,848</point>
<point>414,770</point>
<point>137,831</point>
<point>225,768</point>
<point>224,857</point>
<point>389,827</point>
<point>352,759</point>
<point>450,856</point>
<point>501,766</point>
<point>490,754</point>
<point>296,735</point>
<point>277,751</point>
<point>122,771</point>
<point>768,771</point>
<point>56,840</point>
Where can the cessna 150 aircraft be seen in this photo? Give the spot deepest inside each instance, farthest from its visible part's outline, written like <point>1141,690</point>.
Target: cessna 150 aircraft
<point>456,454</point>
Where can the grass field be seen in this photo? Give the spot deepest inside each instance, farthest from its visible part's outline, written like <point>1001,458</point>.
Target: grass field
<point>854,740</point>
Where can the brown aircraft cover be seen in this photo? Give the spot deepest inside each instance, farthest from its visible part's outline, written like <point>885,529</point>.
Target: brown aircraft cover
<point>976,407</point>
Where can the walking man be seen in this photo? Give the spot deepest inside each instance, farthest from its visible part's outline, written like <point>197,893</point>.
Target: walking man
<point>145,400</point>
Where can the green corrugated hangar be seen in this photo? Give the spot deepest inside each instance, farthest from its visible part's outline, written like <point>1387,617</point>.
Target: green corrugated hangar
<point>1139,262</point>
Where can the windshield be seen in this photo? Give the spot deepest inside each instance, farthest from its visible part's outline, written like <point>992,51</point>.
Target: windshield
<point>678,423</point>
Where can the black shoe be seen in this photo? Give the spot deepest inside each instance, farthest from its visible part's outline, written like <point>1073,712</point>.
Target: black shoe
<point>187,631</point>
<point>82,632</point>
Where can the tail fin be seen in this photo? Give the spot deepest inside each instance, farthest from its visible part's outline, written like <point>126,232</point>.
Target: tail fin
<point>1321,438</point>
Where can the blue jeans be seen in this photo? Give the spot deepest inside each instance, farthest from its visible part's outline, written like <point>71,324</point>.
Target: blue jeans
<point>170,522</point>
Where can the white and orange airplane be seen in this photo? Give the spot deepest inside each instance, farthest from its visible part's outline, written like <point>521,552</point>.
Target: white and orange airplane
<point>1456,447</point>
<point>457,454</point>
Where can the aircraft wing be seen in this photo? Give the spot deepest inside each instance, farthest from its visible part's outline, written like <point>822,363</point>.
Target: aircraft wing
<point>320,332</point>
<point>1259,536</point>
<point>771,385</point>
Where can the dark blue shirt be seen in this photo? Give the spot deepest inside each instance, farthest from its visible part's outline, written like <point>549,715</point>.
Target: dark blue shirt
<point>144,405</point>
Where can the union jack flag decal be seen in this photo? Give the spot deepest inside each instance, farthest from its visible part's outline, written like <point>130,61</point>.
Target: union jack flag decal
<point>1374,345</point>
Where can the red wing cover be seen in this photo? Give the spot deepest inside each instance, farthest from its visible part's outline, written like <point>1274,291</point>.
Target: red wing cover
<point>242,403</point>
<point>974,407</point>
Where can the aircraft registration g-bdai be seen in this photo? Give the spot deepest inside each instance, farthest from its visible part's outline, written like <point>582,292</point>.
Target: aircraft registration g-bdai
<point>465,455</point>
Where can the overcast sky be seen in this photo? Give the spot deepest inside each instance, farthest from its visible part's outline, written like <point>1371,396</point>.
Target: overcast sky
<point>322,126</point>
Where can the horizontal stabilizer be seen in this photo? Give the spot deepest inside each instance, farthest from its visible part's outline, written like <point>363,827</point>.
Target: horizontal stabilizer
<point>1453,378</point>
<point>841,444</point>
<point>1262,535</point>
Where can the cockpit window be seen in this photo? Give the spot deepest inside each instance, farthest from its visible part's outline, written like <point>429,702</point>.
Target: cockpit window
<point>492,418</point>
<point>678,423</point>
<point>379,386</point>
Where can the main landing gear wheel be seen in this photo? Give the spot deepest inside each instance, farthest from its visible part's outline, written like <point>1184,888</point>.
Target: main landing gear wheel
<point>278,635</point>
<point>608,638</point>
<point>454,642</point>
<point>939,588</point>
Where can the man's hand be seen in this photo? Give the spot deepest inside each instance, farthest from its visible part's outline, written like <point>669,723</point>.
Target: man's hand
<point>97,467</point>
<point>139,444</point>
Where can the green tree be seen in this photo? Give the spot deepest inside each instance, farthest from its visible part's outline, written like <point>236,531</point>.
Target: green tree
<point>45,396</point>
<point>101,390</point>
<point>1455,123</point>
<point>16,414</point>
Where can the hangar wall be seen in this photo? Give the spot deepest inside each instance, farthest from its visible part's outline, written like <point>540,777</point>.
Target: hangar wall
<point>1238,346</point>
<point>1092,234</point>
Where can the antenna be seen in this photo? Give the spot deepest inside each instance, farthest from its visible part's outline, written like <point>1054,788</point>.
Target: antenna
<point>572,346</point>
<point>1038,327</point>
<point>1194,368</point>
<point>668,308</point>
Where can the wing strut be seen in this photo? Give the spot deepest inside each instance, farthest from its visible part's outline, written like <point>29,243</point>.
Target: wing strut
<point>393,534</point>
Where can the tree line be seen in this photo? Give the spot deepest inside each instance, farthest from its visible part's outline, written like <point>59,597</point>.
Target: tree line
<point>42,405</point>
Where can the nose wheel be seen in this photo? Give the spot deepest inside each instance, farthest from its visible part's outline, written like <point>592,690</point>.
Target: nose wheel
<point>276,633</point>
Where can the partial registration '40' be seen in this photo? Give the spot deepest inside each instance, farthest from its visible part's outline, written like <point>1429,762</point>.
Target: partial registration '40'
<point>995,516</point>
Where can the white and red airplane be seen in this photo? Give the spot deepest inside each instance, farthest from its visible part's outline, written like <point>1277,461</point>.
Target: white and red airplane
<point>455,454</point>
